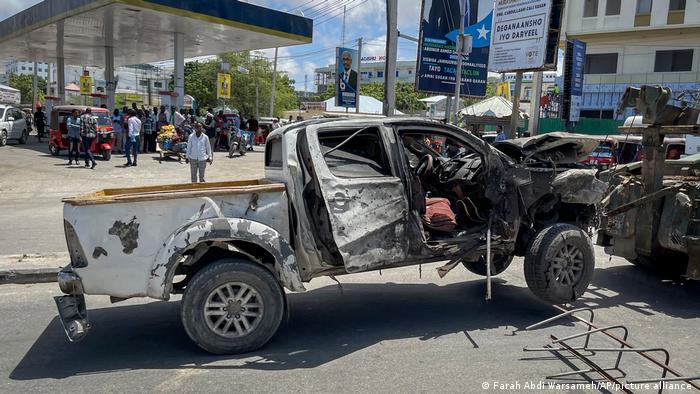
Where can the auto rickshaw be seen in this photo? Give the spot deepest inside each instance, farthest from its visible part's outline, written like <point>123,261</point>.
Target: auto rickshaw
<point>58,132</point>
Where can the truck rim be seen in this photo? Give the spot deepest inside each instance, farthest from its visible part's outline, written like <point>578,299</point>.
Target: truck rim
<point>567,265</point>
<point>233,309</point>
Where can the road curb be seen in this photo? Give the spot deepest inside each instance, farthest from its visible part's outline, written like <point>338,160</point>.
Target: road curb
<point>29,276</point>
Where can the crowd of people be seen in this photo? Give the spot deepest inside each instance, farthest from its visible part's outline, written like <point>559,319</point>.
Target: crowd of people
<point>136,129</point>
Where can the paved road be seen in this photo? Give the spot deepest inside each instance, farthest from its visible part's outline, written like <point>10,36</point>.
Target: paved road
<point>32,184</point>
<point>393,332</point>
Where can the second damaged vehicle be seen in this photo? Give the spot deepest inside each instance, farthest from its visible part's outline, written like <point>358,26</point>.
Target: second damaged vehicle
<point>339,196</point>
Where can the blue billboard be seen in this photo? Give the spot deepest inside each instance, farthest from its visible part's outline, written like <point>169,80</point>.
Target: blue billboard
<point>347,78</point>
<point>578,66</point>
<point>437,59</point>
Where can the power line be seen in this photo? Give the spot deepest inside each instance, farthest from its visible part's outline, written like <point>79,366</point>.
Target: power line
<point>299,6</point>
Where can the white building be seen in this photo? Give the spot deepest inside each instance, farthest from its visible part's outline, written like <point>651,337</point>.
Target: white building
<point>139,79</point>
<point>549,79</point>
<point>634,42</point>
<point>371,72</point>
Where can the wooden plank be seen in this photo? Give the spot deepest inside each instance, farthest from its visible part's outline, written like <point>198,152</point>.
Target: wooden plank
<point>155,195</point>
<point>182,186</point>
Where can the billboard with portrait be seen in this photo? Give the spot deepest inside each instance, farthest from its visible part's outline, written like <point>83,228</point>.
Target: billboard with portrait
<point>346,77</point>
<point>437,59</point>
<point>223,86</point>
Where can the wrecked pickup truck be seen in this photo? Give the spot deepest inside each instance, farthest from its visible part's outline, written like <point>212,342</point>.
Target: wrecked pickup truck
<point>339,196</point>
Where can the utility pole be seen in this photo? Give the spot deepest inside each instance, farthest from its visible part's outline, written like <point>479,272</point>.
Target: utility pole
<point>342,37</point>
<point>34,87</point>
<point>274,82</point>
<point>392,36</point>
<point>359,75</point>
<point>459,46</point>
<point>515,115</point>
<point>534,124</point>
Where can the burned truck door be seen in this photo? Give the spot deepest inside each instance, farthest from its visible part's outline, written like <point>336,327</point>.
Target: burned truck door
<point>364,197</point>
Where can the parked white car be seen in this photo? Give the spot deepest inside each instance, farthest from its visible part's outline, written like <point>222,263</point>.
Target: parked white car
<point>13,126</point>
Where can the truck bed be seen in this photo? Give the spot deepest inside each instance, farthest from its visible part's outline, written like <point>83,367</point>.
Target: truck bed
<point>175,191</point>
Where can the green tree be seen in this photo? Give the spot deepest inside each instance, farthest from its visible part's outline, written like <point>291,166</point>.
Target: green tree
<point>23,83</point>
<point>200,83</point>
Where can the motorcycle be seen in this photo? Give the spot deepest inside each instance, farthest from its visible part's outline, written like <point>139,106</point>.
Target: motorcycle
<point>236,143</point>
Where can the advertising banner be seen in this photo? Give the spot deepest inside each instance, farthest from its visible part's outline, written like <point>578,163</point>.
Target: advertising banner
<point>520,35</point>
<point>575,63</point>
<point>85,84</point>
<point>437,59</point>
<point>347,78</point>
<point>503,90</point>
<point>223,86</point>
<point>578,67</point>
<point>9,95</point>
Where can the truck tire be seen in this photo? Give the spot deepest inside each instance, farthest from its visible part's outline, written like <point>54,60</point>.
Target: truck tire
<point>559,263</point>
<point>232,306</point>
<point>499,263</point>
<point>3,137</point>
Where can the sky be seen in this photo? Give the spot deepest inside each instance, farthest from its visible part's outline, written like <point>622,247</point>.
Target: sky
<point>364,18</point>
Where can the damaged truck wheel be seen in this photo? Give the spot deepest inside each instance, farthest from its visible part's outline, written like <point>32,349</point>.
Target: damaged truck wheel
<point>559,263</point>
<point>232,306</point>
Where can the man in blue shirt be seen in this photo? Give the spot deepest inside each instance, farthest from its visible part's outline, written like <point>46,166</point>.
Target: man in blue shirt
<point>73,126</point>
<point>500,136</point>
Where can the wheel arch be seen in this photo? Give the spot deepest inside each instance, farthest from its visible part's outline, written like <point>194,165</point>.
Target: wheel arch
<point>197,242</point>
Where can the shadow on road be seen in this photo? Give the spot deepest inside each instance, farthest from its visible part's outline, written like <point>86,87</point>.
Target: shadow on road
<point>643,292</point>
<point>326,324</point>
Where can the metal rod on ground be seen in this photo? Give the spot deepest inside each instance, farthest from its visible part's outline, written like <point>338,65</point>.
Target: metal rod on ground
<point>488,261</point>
<point>624,342</point>
<point>274,82</point>
<point>459,49</point>
<point>515,116</point>
<point>534,125</point>
<point>391,52</point>
<point>359,75</point>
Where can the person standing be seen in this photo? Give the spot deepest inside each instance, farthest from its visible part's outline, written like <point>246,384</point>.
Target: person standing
<point>73,126</point>
<point>198,153</point>
<point>39,122</point>
<point>500,134</point>
<point>210,127</point>
<point>221,140</point>
<point>118,131</point>
<point>132,141</point>
<point>88,133</point>
<point>149,133</point>
<point>252,127</point>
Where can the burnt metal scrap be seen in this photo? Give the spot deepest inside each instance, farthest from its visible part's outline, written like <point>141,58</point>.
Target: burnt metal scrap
<point>586,353</point>
<point>655,104</point>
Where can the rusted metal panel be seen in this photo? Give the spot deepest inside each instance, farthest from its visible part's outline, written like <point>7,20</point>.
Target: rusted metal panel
<point>675,217</point>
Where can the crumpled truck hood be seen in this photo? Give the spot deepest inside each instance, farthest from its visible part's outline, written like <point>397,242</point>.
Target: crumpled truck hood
<point>560,148</point>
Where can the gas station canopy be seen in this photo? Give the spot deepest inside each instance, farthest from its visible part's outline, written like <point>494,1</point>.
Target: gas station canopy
<point>142,31</point>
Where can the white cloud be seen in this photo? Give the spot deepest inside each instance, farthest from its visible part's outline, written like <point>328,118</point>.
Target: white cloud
<point>11,7</point>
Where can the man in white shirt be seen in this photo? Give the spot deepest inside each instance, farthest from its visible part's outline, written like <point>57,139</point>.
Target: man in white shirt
<point>198,153</point>
<point>132,141</point>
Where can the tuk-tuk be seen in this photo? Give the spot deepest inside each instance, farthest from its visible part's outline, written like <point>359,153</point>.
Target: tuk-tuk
<point>58,131</point>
